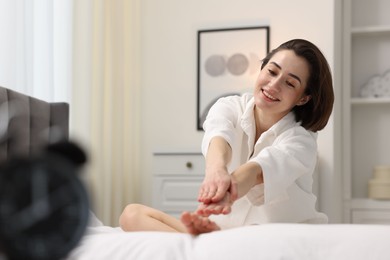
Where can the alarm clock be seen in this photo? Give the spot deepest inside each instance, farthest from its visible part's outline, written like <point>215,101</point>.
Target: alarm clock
<point>44,206</point>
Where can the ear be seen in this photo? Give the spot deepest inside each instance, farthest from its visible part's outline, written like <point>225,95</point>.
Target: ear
<point>304,100</point>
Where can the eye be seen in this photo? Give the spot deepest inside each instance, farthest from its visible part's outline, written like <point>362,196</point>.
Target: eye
<point>290,84</point>
<point>271,72</point>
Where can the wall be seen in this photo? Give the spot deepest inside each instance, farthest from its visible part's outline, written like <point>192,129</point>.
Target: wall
<point>168,70</point>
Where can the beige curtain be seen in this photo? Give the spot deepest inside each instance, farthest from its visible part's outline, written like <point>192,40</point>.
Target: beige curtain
<point>105,101</point>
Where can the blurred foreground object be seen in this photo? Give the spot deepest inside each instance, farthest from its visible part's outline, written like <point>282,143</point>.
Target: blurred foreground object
<point>43,204</point>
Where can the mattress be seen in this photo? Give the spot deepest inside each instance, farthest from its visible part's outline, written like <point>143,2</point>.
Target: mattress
<point>269,241</point>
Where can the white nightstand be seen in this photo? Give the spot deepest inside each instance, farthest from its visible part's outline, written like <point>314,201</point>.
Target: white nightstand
<point>176,180</point>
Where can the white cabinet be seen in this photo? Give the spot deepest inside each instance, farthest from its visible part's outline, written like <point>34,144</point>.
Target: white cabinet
<point>366,120</point>
<point>176,180</point>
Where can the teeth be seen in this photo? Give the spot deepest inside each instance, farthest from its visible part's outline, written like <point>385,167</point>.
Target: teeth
<point>269,96</point>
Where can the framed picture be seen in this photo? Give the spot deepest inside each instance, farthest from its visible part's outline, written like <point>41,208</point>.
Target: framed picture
<point>229,61</point>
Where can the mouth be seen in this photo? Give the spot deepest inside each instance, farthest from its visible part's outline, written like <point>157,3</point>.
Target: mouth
<point>268,96</point>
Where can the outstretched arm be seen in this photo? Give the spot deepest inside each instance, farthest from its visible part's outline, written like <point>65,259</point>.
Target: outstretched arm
<point>243,179</point>
<point>217,179</point>
<point>247,176</point>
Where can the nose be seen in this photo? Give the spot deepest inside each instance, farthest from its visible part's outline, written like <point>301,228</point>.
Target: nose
<point>276,83</point>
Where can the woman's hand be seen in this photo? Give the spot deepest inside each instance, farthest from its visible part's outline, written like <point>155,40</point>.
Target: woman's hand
<point>215,185</point>
<point>223,206</point>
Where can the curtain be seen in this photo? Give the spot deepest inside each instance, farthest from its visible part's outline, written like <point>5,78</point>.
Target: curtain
<point>105,101</point>
<point>85,52</point>
<point>36,48</point>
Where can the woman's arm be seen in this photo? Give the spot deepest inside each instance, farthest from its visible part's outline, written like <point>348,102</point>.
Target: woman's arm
<point>241,181</point>
<point>217,179</point>
<point>247,176</point>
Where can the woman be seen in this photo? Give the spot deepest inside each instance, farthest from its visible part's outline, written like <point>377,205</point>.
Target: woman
<point>260,150</point>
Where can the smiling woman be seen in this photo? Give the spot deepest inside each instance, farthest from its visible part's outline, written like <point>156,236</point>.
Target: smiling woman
<point>315,114</point>
<point>281,85</point>
<point>260,152</point>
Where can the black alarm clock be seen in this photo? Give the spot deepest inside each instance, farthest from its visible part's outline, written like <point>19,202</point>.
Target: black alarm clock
<point>43,204</point>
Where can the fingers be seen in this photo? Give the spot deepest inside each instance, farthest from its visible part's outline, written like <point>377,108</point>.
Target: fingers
<point>213,209</point>
<point>207,194</point>
<point>206,210</point>
<point>204,196</point>
<point>226,210</point>
<point>200,209</point>
<point>214,188</point>
<point>223,206</point>
<point>219,194</point>
<point>212,193</point>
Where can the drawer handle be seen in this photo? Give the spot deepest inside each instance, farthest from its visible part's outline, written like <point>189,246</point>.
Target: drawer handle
<point>189,165</point>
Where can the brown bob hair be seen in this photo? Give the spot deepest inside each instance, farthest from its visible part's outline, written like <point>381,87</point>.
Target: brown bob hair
<point>313,115</point>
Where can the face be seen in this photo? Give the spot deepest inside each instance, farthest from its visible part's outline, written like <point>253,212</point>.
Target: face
<point>281,84</point>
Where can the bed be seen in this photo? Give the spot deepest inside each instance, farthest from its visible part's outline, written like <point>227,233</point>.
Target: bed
<point>270,241</point>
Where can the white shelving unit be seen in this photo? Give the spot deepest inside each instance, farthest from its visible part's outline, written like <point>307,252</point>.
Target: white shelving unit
<point>370,30</point>
<point>366,121</point>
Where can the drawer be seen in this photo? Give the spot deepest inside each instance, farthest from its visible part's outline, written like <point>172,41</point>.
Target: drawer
<point>371,216</point>
<point>178,164</point>
<point>172,194</point>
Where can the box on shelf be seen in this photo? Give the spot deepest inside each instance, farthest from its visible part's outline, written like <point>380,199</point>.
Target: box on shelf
<point>379,185</point>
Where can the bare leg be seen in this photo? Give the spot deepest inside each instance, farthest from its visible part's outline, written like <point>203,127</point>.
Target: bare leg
<point>137,217</point>
<point>197,224</point>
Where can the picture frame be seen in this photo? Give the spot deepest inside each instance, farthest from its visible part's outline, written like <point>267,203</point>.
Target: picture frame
<point>228,63</point>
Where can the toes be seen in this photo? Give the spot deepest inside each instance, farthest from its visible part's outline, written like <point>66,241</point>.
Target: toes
<point>197,224</point>
<point>186,218</point>
<point>204,222</point>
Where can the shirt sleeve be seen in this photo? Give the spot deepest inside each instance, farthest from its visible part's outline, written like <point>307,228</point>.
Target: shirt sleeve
<point>292,155</point>
<point>221,121</point>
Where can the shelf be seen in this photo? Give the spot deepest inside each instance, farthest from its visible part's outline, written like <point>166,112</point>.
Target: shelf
<point>370,30</point>
<point>370,101</point>
<point>366,203</point>
<point>366,120</point>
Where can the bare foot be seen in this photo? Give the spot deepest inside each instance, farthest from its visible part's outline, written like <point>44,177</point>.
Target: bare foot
<point>197,224</point>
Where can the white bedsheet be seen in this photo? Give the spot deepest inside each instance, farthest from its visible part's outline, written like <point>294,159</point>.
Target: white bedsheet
<point>271,241</point>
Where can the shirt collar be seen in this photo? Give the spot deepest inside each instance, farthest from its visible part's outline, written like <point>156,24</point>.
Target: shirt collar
<point>248,125</point>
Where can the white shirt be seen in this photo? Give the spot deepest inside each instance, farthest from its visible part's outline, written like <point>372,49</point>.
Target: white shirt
<point>287,154</point>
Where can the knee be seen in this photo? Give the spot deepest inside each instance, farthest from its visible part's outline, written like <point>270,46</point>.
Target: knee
<point>130,216</point>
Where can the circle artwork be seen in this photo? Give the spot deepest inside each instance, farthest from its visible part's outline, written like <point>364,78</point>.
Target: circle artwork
<point>215,65</point>
<point>237,64</point>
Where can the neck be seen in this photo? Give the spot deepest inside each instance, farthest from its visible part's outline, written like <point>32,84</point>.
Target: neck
<point>264,121</point>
